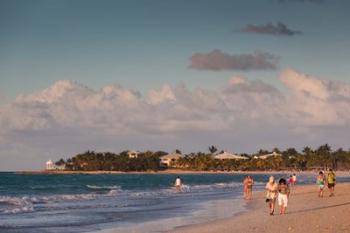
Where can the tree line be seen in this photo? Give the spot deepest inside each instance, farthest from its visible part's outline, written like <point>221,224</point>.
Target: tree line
<point>322,157</point>
<point>97,161</point>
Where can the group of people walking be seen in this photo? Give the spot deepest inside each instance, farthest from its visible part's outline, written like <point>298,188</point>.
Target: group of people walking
<point>280,190</point>
<point>322,180</point>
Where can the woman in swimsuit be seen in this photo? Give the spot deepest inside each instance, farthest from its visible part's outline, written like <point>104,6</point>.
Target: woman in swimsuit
<point>321,181</point>
<point>248,187</point>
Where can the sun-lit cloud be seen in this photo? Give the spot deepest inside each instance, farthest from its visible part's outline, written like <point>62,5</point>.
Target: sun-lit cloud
<point>218,60</point>
<point>69,117</point>
<point>166,94</point>
<point>67,104</point>
<point>317,102</point>
<point>280,29</point>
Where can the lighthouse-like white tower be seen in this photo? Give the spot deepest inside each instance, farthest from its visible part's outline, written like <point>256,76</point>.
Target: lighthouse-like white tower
<point>49,165</point>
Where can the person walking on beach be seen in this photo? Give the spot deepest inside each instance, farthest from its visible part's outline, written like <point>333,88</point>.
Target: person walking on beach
<point>331,180</point>
<point>271,194</point>
<point>248,187</point>
<point>178,184</point>
<point>283,195</point>
<point>294,179</point>
<point>320,180</point>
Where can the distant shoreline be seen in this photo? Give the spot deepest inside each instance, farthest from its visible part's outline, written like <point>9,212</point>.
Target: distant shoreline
<point>173,171</point>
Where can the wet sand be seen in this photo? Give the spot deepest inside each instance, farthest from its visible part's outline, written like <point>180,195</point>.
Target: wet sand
<point>306,213</point>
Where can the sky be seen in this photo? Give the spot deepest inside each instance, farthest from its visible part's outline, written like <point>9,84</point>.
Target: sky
<point>161,75</point>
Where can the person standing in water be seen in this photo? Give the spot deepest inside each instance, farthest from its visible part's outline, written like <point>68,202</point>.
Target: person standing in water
<point>271,194</point>
<point>250,183</point>
<point>321,181</point>
<point>245,188</point>
<point>178,184</point>
<point>248,187</point>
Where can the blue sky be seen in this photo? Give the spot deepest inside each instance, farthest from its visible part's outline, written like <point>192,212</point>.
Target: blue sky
<point>146,43</point>
<point>160,75</point>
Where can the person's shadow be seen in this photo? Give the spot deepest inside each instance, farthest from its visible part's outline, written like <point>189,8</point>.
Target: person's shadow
<point>318,208</point>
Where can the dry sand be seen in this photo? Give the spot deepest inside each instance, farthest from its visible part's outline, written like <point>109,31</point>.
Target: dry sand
<point>306,213</point>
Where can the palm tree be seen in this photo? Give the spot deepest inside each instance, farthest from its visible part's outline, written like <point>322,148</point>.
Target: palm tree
<point>60,162</point>
<point>323,154</point>
<point>213,149</point>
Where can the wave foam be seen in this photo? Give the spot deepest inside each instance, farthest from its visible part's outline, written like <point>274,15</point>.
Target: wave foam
<point>16,205</point>
<point>103,187</point>
<point>187,189</point>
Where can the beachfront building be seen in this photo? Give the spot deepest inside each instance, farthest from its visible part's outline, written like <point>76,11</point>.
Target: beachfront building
<point>224,155</point>
<point>132,154</point>
<point>169,160</point>
<point>273,154</point>
<point>50,165</point>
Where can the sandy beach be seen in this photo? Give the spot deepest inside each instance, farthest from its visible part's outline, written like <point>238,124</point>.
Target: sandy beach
<point>306,213</point>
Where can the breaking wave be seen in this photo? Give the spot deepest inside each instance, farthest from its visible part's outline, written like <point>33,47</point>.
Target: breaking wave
<point>13,205</point>
<point>103,187</point>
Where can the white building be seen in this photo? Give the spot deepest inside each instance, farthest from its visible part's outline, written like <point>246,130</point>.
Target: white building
<point>226,155</point>
<point>50,165</point>
<point>169,159</point>
<point>132,154</point>
<point>273,154</point>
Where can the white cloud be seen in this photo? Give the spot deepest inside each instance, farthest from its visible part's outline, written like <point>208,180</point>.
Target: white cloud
<point>69,117</point>
<point>316,102</point>
<point>164,95</point>
<point>307,85</point>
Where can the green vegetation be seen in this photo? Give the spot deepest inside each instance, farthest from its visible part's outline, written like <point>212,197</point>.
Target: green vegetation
<point>93,161</point>
<point>290,159</point>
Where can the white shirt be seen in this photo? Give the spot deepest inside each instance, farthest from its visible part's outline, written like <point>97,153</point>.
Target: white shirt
<point>271,189</point>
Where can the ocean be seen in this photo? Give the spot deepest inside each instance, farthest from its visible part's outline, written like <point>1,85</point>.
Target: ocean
<point>55,203</point>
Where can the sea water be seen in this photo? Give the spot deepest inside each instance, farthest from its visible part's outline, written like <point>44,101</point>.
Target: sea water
<point>56,203</point>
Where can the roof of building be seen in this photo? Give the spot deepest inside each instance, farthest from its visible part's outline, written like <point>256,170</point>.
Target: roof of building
<point>132,152</point>
<point>227,155</point>
<point>268,155</point>
<point>172,156</point>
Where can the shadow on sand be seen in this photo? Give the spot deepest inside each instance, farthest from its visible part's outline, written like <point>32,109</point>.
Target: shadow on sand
<point>318,208</point>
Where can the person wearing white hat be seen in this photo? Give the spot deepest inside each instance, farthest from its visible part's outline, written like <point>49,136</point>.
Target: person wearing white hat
<point>271,194</point>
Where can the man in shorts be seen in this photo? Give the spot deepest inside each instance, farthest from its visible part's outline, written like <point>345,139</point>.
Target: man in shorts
<point>331,180</point>
<point>283,195</point>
